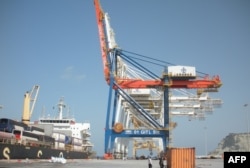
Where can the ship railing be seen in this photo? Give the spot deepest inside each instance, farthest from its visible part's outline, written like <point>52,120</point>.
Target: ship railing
<point>7,140</point>
<point>27,142</point>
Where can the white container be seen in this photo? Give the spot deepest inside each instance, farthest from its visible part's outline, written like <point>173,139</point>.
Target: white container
<point>6,135</point>
<point>58,137</point>
<point>181,71</point>
<point>77,148</point>
<point>140,92</point>
<point>59,145</point>
<point>77,142</point>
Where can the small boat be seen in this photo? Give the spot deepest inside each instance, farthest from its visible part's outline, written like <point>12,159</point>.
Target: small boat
<point>58,160</point>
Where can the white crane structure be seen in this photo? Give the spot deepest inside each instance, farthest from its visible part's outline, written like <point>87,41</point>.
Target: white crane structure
<point>182,103</point>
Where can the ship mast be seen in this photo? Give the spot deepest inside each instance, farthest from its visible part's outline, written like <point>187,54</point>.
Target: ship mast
<point>60,106</point>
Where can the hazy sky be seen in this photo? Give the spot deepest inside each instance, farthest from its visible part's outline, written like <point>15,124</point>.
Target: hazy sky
<point>54,44</point>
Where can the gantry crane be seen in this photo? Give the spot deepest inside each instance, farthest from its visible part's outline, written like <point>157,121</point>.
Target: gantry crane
<point>191,105</point>
<point>120,84</point>
<point>29,103</point>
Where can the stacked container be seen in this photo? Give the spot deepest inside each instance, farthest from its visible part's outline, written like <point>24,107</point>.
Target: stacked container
<point>181,158</point>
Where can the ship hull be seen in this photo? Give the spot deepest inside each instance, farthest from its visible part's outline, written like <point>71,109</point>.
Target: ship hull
<point>15,151</point>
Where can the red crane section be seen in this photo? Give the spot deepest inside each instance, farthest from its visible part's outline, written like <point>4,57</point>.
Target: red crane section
<point>129,83</point>
<point>214,82</point>
<point>99,19</point>
<point>207,82</point>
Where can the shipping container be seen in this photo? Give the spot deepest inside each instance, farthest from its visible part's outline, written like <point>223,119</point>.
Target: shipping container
<point>181,158</point>
<point>140,91</point>
<point>181,72</point>
<point>77,141</point>
<point>6,135</point>
<point>77,148</point>
<point>59,137</point>
<point>59,145</point>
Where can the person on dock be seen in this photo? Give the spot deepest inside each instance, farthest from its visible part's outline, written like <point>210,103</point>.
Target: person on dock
<point>161,162</point>
<point>149,162</point>
<point>165,162</point>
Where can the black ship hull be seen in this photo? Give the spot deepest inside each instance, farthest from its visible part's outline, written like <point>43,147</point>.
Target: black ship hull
<point>16,151</point>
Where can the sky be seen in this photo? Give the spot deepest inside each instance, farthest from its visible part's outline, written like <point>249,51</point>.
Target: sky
<point>55,44</point>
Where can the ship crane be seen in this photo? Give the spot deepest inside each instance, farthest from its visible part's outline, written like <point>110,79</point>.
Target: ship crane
<point>121,83</point>
<point>29,103</point>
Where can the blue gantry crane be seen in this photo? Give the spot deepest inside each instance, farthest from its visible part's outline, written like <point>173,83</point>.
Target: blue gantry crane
<point>126,116</point>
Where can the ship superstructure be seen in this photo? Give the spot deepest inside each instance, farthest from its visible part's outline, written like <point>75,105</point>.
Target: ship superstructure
<point>75,135</point>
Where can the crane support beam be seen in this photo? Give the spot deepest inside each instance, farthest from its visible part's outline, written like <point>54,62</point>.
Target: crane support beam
<point>136,133</point>
<point>174,84</point>
<point>139,108</point>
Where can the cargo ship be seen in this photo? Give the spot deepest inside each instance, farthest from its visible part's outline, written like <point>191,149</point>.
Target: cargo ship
<point>48,137</point>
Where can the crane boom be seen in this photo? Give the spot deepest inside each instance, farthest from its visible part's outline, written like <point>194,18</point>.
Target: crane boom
<point>107,44</point>
<point>100,19</point>
<point>29,103</point>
